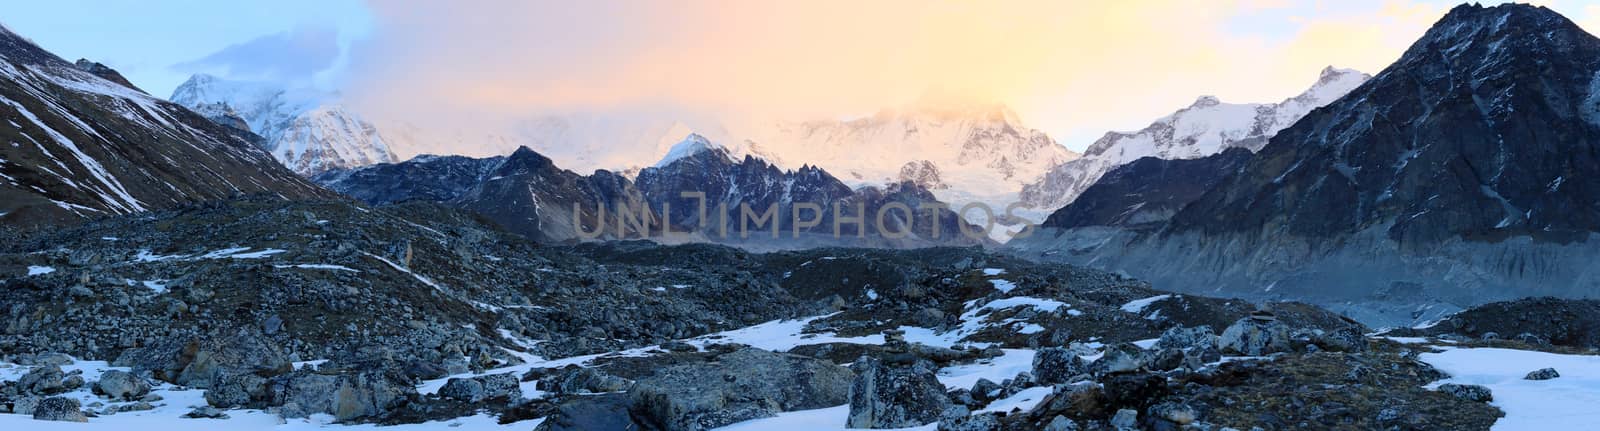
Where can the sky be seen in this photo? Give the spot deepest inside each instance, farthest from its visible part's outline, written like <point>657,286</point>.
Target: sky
<point>1072,69</point>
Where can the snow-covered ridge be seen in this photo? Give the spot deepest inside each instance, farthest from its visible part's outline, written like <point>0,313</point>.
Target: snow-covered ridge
<point>1206,127</point>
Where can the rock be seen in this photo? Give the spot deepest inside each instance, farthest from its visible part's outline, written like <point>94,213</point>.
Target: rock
<point>583,380</point>
<point>1119,358</point>
<point>1061,423</point>
<point>72,382</point>
<point>121,385</point>
<point>1126,419</point>
<point>481,388</point>
<point>1476,393</point>
<point>1164,359</point>
<point>985,390</point>
<point>1346,339</point>
<point>1181,414</point>
<point>899,397</point>
<point>1056,365</point>
<point>135,407</point>
<point>978,422</point>
<point>1543,374</point>
<point>345,396</point>
<point>205,412</point>
<point>42,380</point>
<point>743,384</point>
<point>59,409</point>
<point>1254,337</point>
<point>597,412</point>
<point>196,362</point>
<point>238,390</point>
<point>1178,337</point>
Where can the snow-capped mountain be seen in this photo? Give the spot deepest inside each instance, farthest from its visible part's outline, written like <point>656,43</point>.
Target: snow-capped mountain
<point>307,130</point>
<point>983,152</point>
<point>1206,127</point>
<point>75,144</point>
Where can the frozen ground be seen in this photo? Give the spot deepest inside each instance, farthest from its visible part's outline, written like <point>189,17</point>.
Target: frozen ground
<point>1569,402</point>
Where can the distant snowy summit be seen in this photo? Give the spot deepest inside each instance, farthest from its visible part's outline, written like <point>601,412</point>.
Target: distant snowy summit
<point>307,130</point>
<point>1204,128</point>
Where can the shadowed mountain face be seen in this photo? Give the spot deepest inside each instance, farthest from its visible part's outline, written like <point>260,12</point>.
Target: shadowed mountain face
<point>699,194</point>
<point>77,141</point>
<point>1466,172</point>
<point>1147,192</point>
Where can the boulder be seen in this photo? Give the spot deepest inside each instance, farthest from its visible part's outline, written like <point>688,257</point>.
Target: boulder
<point>1346,339</point>
<point>978,422</point>
<point>895,397</point>
<point>237,390</point>
<point>121,385</point>
<point>59,409</point>
<point>1119,358</point>
<point>42,380</point>
<point>1181,414</point>
<point>1060,423</point>
<point>1542,374</point>
<point>583,380</point>
<point>197,362</point>
<point>1055,365</point>
<point>1255,337</point>
<point>740,385</point>
<point>1181,338</point>
<point>595,412</point>
<point>481,388</point>
<point>1476,393</point>
<point>1126,419</point>
<point>345,396</point>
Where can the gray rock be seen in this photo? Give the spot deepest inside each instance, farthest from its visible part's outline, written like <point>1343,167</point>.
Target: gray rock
<point>238,390</point>
<point>196,362</point>
<point>740,385</point>
<point>1126,419</point>
<point>42,380</point>
<point>978,422</point>
<point>121,385</point>
<point>345,396</point>
<point>205,412</point>
<point>1346,339</point>
<point>1119,358</point>
<point>597,412</point>
<point>481,388</point>
<point>1178,337</point>
<point>1542,374</point>
<point>1055,365</point>
<point>59,409</point>
<point>24,405</point>
<point>583,380</point>
<point>1255,337</point>
<point>1181,414</point>
<point>1476,393</point>
<point>899,397</point>
<point>1061,423</point>
<point>985,390</point>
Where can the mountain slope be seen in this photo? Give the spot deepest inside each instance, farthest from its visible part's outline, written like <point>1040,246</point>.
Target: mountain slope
<point>308,131</point>
<point>75,145</point>
<point>1146,192</point>
<point>1206,127</point>
<point>425,177</point>
<point>1464,173</point>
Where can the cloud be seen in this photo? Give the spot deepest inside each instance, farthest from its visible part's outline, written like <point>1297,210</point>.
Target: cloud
<point>293,56</point>
<point>1075,69</point>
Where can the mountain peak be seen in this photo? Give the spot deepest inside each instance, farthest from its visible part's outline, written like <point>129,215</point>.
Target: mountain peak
<point>1206,100</point>
<point>689,146</point>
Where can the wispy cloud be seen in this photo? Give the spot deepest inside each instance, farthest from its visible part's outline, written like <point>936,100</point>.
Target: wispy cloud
<point>292,56</point>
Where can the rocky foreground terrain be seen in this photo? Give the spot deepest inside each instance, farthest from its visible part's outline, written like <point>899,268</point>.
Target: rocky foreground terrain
<point>260,313</point>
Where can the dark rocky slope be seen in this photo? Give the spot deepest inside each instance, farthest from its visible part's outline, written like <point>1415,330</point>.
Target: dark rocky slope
<point>79,142</point>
